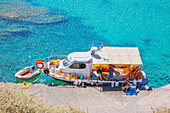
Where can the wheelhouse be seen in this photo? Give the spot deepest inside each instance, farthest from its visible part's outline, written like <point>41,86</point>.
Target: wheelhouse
<point>77,63</point>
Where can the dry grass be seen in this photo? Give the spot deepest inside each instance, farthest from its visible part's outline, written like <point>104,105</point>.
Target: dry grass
<point>163,110</point>
<point>15,101</point>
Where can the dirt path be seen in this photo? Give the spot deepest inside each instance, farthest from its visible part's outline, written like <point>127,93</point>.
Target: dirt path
<point>100,102</point>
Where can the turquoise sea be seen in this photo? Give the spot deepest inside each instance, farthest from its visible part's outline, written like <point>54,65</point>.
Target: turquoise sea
<point>34,27</point>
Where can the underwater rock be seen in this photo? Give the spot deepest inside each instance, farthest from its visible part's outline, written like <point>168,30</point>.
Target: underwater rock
<point>17,30</point>
<point>58,33</point>
<point>136,4</point>
<point>147,40</point>
<point>14,31</point>
<point>20,9</point>
<point>45,19</point>
<point>24,11</point>
<point>14,28</point>
<point>2,34</point>
<point>9,15</point>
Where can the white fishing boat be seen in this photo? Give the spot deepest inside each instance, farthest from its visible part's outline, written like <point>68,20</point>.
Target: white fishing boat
<point>101,65</point>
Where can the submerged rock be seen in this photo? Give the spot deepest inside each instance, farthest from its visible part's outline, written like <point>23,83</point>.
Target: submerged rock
<point>20,9</point>
<point>45,19</point>
<point>24,11</point>
<point>13,28</point>
<point>3,34</point>
<point>16,30</point>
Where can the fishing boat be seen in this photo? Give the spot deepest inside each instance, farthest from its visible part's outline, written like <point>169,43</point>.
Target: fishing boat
<point>101,65</point>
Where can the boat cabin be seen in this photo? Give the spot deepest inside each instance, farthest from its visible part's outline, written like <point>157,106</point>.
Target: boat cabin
<point>77,63</point>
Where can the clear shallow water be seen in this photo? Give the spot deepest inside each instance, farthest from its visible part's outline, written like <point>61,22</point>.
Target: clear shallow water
<point>143,24</point>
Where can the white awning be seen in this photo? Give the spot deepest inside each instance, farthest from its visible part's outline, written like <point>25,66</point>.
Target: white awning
<point>117,55</point>
<point>80,57</point>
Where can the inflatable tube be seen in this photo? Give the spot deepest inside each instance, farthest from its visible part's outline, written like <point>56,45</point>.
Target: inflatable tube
<point>26,74</point>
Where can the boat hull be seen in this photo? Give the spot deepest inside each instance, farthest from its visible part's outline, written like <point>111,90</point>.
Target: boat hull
<point>26,74</point>
<point>113,83</point>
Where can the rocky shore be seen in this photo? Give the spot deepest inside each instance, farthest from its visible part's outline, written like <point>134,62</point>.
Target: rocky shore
<point>95,101</point>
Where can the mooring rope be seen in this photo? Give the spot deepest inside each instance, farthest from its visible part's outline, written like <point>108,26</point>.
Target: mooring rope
<point>34,80</point>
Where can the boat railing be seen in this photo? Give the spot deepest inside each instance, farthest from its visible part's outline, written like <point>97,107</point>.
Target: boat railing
<point>132,75</point>
<point>54,57</point>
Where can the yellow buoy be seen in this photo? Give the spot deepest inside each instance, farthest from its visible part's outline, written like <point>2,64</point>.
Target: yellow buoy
<point>25,86</point>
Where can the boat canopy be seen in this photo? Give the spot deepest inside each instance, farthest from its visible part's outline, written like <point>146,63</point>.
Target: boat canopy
<point>80,57</point>
<point>117,55</point>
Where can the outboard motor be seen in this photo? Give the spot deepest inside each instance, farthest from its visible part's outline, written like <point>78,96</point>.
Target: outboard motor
<point>46,71</point>
<point>33,67</point>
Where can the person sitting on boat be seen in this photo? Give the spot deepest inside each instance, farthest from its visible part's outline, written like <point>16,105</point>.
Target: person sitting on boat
<point>130,88</point>
<point>128,84</point>
<point>99,71</point>
<point>91,74</point>
<point>101,46</point>
<point>110,72</point>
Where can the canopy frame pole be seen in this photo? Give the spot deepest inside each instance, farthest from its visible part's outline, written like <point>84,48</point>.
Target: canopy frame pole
<point>117,67</point>
<point>136,71</point>
<point>129,70</point>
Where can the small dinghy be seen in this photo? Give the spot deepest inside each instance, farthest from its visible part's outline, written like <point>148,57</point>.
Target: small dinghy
<point>27,73</point>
